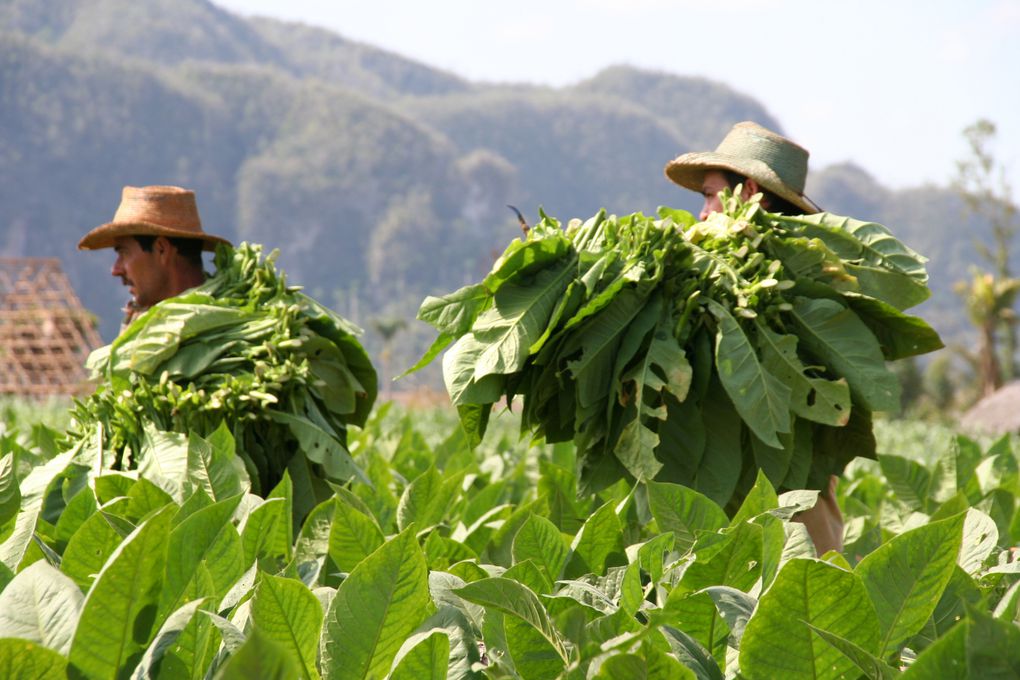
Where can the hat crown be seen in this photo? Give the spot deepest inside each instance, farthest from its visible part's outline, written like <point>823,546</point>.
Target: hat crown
<point>166,206</point>
<point>788,160</point>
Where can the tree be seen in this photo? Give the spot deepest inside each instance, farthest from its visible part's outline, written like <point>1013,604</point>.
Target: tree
<point>989,300</point>
<point>990,296</point>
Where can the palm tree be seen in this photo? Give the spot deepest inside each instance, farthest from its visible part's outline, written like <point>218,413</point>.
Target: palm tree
<point>989,300</point>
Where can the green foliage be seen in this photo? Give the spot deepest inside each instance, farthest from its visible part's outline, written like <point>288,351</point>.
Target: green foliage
<point>647,342</point>
<point>486,580</point>
<point>242,348</point>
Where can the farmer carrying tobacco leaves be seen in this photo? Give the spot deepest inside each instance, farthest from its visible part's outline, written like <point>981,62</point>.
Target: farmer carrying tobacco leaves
<point>236,370</point>
<point>706,354</point>
<point>761,161</point>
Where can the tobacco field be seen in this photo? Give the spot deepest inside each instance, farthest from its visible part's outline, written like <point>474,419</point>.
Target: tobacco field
<point>453,562</point>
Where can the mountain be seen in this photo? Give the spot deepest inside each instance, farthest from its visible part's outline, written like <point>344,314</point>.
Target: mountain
<point>381,179</point>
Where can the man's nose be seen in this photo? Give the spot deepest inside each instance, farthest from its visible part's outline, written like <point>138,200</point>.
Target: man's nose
<point>117,269</point>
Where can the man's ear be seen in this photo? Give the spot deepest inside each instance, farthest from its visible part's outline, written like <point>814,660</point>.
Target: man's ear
<point>750,189</point>
<point>162,248</point>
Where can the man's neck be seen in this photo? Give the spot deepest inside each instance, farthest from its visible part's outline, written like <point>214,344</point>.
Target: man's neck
<point>185,278</point>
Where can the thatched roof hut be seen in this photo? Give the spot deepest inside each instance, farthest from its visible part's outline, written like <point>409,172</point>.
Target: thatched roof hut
<point>45,333</point>
<point>996,414</point>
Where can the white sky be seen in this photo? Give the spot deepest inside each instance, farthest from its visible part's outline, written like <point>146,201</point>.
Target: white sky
<point>888,84</point>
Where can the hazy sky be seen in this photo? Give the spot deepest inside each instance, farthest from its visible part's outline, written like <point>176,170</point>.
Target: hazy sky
<point>887,84</point>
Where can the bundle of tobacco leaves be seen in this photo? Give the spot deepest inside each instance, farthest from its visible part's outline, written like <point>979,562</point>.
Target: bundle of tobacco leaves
<point>285,374</point>
<point>692,352</point>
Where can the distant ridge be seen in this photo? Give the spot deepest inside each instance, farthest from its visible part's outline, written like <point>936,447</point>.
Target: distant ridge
<point>382,179</point>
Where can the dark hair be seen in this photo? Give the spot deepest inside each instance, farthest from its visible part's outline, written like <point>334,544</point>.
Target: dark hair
<point>770,201</point>
<point>188,248</point>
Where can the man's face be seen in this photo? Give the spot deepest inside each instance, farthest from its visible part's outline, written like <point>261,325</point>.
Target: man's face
<point>143,272</point>
<point>713,183</point>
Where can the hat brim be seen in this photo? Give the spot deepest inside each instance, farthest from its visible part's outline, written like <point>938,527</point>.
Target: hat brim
<point>688,170</point>
<point>106,235</point>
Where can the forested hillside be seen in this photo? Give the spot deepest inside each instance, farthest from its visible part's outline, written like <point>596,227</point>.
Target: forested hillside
<point>381,179</point>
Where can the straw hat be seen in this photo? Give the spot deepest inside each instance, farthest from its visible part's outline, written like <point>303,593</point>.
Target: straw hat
<point>773,161</point>
<point>152,211</point>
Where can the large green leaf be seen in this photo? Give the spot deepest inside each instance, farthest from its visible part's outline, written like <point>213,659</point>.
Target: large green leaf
<point>541,248</point>
<point>816,399</point>
<point>459,365</point>
<point>429,657</point>
<point>213,465</point>
<point>312,545</point>
<point>454,314</point>
<point>43,482</point>
<point>980,537</point>
<point>993,647</point>
<point>900,335</point>
<point>89,549</point>
<point>683,511</point>
<point>206,538</point>
<point>597,341</point>
<point>353,536</point>
<point>867,242</point>
<point>530,634</point>
<point>909,480</point>
<point>374,610</point>
<point>10,496</point>
<point>735,607</point>
<point>319,446</point>
<point>682,440</point>
<point>898,290</point>
<point>697,614</point>
<point>980,646</point>
<point>164,461</point>
<point>692,654</point>
<point>540,541</point>
<point>721,463</point>
<point>119,615</point>
<point>462,649</point>
<point>662,370</point>
<point>650,664</point>
<point>260,657</point>
<point>598,541</point>
<point>906,576</point>
<point>265,533</point>
<point>194,646</point>
<point>760,397</point>
<point>24,660</point>
<point>168,324</point>
<point>79,509</point>
<point>516,600</point>
<point>169,632</point>
<point>944,659</point>
<point>42,605</point>
<point>730,557</point>
<point>777,643</point>
<point>841,341</point>
<point>517,319</point>
<point>288,613</point>
<point>872,667</point>
<point>427,499</point>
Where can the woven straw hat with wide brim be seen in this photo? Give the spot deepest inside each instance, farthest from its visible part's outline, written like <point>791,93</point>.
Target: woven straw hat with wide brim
<point>773,161</point>
<point>152,211</point>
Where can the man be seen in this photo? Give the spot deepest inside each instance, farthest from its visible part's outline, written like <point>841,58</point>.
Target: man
<point>762,161</point>
<point>157,235</point>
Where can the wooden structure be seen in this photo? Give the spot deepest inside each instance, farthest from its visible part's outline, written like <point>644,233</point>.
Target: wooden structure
<point>45,333</point>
